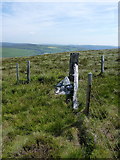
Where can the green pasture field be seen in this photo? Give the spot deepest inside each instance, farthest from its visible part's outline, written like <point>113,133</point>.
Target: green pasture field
<point>15,52</point>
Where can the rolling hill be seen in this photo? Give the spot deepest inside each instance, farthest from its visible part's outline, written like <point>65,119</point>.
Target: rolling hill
<point>24,49</point>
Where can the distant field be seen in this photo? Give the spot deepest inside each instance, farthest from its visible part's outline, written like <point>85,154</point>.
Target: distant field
<point>14,52</point>
<point>24,49</point>
<point>52,47</point>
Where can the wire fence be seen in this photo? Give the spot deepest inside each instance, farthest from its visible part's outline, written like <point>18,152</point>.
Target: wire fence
<point>108,133</point>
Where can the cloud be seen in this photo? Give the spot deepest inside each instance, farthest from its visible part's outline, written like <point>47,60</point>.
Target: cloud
<point>52,21</point>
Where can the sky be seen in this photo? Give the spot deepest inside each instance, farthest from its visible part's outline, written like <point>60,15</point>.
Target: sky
<point>78,23</point>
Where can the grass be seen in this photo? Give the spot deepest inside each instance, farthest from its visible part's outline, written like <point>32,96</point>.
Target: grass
<point>39,124</point>
<point>15,52</point>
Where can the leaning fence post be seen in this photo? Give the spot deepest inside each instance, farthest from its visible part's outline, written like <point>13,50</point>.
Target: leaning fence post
<point>102,64</point>
<point>73,76</point>
<point>88,93</point>
<point>17,72</point>
<point>28,71</point>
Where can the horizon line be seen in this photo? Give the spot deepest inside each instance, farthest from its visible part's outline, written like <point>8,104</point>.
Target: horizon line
<point>59,44</point>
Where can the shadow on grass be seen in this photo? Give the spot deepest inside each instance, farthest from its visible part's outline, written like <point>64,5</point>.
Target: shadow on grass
<point>22,82</point>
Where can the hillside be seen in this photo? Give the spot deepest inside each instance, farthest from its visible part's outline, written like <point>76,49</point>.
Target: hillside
<point>24,49</point>
<point>39,124</point>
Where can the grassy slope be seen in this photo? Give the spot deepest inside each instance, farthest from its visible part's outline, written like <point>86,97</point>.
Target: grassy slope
<point>18,50</point>
<point>14,52</point>
<point>37,123</point>
<point>32,50</point>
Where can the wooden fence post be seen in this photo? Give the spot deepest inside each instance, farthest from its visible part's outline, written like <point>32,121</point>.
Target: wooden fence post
<point>75,87</point>
<point>17,72</point>
<point>102,64</point>
<point>88,93</point>
<point>73,61</point>
<point>73,76</point>
<point>28,71</point>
